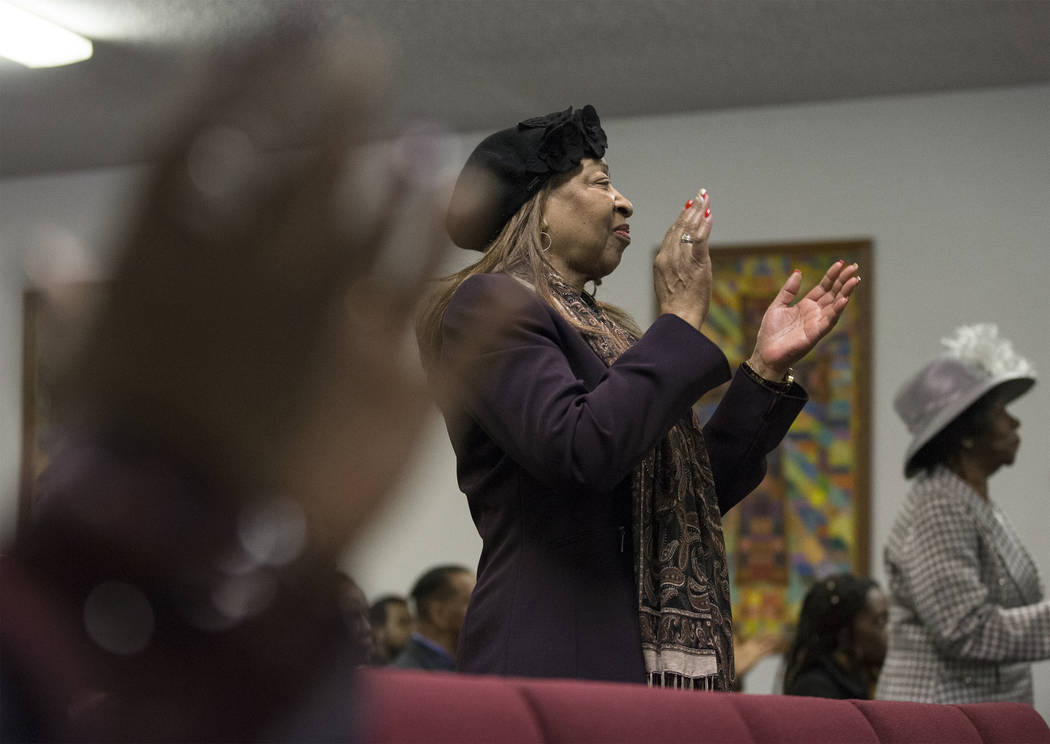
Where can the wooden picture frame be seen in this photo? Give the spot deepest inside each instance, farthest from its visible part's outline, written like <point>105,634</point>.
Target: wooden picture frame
<point>34,404</point>
<point>810,516</point>
<point>51,329</point>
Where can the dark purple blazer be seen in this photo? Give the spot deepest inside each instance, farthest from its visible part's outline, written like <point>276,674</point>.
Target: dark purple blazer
<point>546,437</point>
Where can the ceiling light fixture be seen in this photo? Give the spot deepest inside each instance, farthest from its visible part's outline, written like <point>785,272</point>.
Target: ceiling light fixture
<point>35,42</point>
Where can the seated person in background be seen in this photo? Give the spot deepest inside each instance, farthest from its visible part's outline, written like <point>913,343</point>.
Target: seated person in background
<point>237,409</point>
<point>840,643</point>
<point>440,597</point>
<point>392,626</point>
<point>355,607</point>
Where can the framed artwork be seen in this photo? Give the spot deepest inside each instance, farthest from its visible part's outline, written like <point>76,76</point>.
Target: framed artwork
<point>809,517</point>
<point>50,332</point>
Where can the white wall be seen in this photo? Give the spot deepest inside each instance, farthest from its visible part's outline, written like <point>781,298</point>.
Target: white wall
<point>952,189</point>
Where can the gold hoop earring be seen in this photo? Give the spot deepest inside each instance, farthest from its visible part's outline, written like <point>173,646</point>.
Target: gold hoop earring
<point>547,235</point>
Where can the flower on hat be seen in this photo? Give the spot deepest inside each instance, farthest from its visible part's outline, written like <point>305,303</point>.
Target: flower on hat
<point>979,346</point>
<point>568,137</point>
<point>593,134</point>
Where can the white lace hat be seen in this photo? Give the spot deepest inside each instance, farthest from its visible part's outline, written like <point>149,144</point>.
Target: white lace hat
<point>976,361</point>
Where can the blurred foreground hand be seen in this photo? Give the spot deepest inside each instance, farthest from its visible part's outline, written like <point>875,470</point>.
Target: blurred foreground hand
<point>257,317</point>
<point>240,403</point>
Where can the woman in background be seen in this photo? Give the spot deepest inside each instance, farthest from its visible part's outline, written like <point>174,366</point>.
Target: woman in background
<point>840,642</point>
<point>967,612</point>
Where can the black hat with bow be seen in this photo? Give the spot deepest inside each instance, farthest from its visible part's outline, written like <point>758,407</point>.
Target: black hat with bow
<point>509,167</point>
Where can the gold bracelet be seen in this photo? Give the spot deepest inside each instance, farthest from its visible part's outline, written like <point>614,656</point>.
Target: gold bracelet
<point>780,386</point>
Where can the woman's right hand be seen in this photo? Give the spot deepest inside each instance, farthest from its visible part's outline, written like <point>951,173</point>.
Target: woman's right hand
<point>682,271</point>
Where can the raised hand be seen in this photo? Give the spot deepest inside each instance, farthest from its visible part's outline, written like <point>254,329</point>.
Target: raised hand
<point>789,331</point>
<point>262,306</point>
<point>682,269</point>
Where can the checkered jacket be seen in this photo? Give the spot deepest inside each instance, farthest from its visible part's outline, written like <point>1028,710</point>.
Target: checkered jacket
<point>967,613</point>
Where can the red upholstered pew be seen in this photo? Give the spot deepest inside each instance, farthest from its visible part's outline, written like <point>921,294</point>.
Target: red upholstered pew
<point>432,707</point>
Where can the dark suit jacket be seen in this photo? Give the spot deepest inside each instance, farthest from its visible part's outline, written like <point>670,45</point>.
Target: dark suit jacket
<point>418,655</point>
<point>546,437</point>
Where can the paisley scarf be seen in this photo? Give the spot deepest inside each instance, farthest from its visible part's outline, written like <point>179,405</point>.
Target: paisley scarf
<point>680,556</point>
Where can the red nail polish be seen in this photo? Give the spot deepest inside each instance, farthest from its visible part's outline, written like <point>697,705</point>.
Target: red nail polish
<point>707,213</point>
<point>689,204</point>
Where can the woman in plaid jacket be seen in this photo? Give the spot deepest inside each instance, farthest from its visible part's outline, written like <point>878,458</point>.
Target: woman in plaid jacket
<point>967,612</point>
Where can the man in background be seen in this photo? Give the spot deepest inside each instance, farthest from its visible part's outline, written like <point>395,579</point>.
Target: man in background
<point>440,597</point>
<point>392,626</point>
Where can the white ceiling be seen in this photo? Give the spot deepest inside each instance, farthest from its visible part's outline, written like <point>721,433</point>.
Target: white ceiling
<point>479,64</point>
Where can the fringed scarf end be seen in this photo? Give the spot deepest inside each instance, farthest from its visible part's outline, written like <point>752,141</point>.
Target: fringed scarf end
<point>673,681</point>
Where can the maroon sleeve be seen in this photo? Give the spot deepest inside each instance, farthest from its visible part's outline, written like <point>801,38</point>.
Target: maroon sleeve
<point>522,384</point>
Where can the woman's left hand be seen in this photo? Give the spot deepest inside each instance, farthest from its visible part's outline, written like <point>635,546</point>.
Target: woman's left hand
<point>788,332</point>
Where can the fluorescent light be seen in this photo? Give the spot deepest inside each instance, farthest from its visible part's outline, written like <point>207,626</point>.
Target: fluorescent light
<point>34,42</point>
